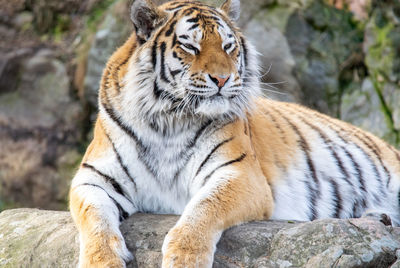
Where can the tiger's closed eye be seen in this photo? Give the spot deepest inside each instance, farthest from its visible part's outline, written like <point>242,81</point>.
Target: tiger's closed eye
<point>227,46</point>
<point>192,49</point>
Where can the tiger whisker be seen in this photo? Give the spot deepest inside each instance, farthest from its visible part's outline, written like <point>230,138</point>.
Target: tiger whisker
<point>274,91</point>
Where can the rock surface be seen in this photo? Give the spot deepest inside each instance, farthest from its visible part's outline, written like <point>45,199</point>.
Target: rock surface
<point>52,54</point>
<point>38,238</point>
<point>111,33</point>
<point>40,124</point>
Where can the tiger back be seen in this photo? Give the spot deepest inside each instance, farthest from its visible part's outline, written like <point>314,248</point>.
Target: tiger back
<point>182,129</point>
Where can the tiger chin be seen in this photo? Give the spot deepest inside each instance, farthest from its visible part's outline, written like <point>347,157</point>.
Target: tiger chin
<point>182,129</point>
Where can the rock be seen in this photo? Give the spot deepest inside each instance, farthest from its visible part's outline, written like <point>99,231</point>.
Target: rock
<point>114,29</point>
<point>37,238</point>
<point>23,20</point>
<point>9,9</point>
<point>323,41</point>
<point>40,128</point>
<point>363,108</point>
<point>277,61</point>
<point>382,40</point>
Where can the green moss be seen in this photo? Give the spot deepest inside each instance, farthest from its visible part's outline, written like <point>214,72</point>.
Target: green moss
<point>61,27</point>
<point>276,16</point>
<point>97,14</point>
<point>380,55</point>
<point>383,64</point>
<point>394,135</point>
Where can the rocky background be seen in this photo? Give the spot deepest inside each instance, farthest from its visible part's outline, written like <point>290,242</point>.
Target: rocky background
<point>341,57</point>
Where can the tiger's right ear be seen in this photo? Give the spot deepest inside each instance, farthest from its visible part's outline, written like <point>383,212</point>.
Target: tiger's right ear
<point>232,9</point>
<point>146,18</point>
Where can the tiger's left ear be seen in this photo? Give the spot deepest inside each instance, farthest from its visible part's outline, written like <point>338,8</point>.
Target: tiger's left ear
<point>232,9</point>
<point>146,18</point>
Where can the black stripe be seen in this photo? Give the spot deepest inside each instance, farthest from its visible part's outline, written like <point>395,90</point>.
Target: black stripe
<point>175,7</point>
<point>153,125</point>
<point>361,180</point>
<point>306,149</point>
<point>313,200</point>
<point>190,10</point>
<point>163,47</point>
<point>277,126</point>
<point>175,55</point>
<point>194,26</point>
<point>357,168</point>
<point>337,198</point>
<point>175,72</point>
<point>199,132</point>
<point>239,159</point>
<point>170,29</point>
<point>203,9</point>
<point>154,51</point>
<point>184,36</point>
<point>122,212</point>
<point>371,143</point>
<point>174,41</point>
<point>127,130</point>
<point>394,151</point>
<point>245,50</point>
<point>211,153</point>
<point>212,17</point>
<point>375,149</point>
<point>219,24</point>
<point>140,147</point>
<point>163,94</point>
<point>361,200</point>
<point>188,152</point>
<point>244,64</point>
<point>328,142</point>
<point>195,19</point>
<point>122,165</point>
<point>107,178</point>
<point>366,155</point>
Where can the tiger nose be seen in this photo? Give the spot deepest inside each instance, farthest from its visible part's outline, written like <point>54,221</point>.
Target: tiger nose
<point>219,80</point>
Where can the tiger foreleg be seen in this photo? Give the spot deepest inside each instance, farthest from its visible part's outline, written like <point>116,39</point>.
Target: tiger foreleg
<point>221,203</point>
<point>97,219</point>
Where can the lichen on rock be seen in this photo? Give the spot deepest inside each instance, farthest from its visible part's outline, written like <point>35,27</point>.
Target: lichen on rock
<point>37,238</point>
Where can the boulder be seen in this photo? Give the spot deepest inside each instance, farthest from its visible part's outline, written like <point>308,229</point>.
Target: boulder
<point>40,126</point>
<point>38,238</point>
<point>112,32</point>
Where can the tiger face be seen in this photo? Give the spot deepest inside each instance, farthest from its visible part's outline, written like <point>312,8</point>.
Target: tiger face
<point>197,60</point>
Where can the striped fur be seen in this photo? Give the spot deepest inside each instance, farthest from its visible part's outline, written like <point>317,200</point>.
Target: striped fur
<point>181,130</point>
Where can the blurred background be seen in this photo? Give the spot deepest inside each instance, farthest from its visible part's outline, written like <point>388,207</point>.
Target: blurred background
<point>341,57</point>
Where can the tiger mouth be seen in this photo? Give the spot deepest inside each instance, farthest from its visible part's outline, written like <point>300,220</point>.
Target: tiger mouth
<point>217,97</point>
<point>211,96</point>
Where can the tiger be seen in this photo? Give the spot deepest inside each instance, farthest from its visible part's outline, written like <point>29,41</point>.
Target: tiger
<point>183,128</point>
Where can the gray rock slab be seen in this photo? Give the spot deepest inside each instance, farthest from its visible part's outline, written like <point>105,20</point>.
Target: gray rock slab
<point>39,238</point>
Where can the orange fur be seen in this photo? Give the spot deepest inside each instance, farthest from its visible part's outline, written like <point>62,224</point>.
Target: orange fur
<point>99,145</point>
<point>100,243</point>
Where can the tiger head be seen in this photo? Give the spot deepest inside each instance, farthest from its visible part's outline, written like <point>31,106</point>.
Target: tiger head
<point>192,60</point>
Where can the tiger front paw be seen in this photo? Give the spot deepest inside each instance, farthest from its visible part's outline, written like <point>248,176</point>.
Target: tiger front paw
<point>185,248</point>
<point>111,253</point>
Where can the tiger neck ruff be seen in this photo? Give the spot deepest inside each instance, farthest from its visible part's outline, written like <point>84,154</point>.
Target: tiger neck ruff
<point>182,129</point>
